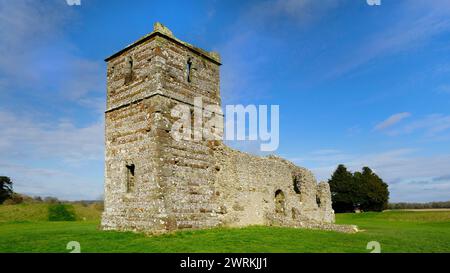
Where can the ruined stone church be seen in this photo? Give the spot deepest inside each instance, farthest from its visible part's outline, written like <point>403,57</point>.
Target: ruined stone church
<point>154,183</point>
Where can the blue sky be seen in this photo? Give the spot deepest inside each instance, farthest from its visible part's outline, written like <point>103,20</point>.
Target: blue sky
<point>356,84</point>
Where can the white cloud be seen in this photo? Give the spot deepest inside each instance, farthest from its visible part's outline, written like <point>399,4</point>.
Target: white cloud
<point>397,167</point>
<point>29,145</point>
<point>431,126</point>
<point>25,137</point>
<point>392,120</point>
<point>49,157</point>
<point>49,182</point>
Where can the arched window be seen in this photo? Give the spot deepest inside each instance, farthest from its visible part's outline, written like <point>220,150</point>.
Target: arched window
<point>279,201</point>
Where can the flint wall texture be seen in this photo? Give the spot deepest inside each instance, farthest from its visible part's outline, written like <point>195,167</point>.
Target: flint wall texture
<point>268,191</point>
<point>155,183</point>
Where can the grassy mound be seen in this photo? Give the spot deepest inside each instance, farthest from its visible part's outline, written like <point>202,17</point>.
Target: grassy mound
<point>39,212</point>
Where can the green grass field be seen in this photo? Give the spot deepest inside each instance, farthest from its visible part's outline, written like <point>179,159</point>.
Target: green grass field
<point>24,228</point>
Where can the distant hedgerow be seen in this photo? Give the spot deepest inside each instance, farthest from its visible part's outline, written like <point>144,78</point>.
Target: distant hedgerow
<point>61,212</point>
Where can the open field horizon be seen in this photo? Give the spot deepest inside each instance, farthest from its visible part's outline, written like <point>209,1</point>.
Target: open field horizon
<point>25,228</point>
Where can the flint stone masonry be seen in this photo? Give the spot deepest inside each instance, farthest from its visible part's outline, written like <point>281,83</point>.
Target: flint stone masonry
<point>154,183</point>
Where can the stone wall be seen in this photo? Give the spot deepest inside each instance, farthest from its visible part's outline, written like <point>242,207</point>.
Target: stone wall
<point>156,183</point>
<point>268,191</point>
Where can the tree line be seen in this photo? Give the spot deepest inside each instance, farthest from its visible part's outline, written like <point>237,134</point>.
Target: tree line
<point>9,197</point>
<point>429,205</point>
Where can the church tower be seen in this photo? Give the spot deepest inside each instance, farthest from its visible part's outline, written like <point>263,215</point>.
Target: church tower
<point>152,181</point>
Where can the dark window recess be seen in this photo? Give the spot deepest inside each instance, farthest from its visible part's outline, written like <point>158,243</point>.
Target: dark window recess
<point>188,69</point>
<point>130,177</point>
<point>129,71</point>
<point>296,184</point>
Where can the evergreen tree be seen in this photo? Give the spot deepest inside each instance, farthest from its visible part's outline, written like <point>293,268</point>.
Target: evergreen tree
<point>5,188</point>
<point>365,190</point>
<point>373,193</point>
<point>343,191</point>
